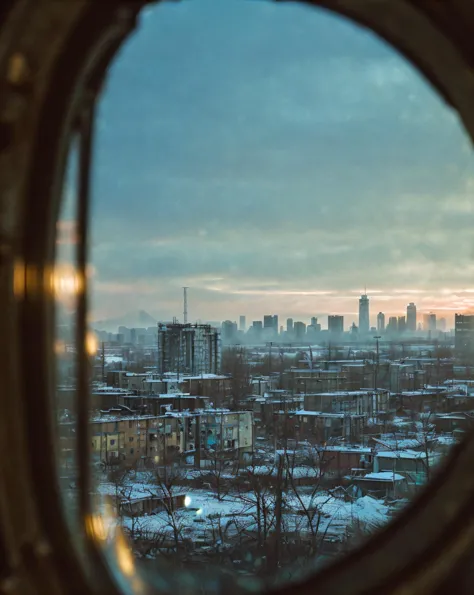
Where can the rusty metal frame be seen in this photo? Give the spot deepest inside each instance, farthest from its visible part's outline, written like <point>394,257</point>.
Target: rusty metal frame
<point>53,54</point>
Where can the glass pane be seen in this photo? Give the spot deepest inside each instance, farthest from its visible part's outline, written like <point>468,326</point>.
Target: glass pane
<point>279,256</point>
<point>65,282</point>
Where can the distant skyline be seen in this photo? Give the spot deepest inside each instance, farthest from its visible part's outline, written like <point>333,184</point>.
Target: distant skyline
<point>131,318</point>
<point>275,159</point>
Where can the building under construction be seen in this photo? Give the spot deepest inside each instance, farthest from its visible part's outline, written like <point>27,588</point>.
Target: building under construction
<point>188,349</point>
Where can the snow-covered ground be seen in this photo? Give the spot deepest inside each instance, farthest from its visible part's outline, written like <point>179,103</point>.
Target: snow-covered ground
<point>205,516</point>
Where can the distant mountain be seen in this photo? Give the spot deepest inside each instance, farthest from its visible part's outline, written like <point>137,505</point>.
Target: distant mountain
<point>139,319</point>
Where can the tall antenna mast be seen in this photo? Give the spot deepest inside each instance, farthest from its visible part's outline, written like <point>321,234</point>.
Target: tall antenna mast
<point>185,304</point>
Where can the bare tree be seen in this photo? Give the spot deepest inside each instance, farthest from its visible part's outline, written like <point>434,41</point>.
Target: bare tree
<point>164,486</point>
<point>220,473</point>
<point>309,509</point>
<point>235,362</point>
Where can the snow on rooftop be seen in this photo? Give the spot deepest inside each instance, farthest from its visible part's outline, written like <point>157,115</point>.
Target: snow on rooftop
<point>383,476</point>
<point>401,454</point>
<point>104,418</point>
<point>113,359</point>
<point>348,448</point>
<point>305,412</point>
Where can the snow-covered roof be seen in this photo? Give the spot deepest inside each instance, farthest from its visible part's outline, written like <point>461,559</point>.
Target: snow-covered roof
<point>110,418</point>
<point>134,492</point>
<point>401,454</point>
<point>382,476</point>
<point>351,449</point>
<point>295,472</point>
<point>329,415</point>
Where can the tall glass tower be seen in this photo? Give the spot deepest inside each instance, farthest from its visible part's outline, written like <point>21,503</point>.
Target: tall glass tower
<point>364,320</point>
<point>411,317</point>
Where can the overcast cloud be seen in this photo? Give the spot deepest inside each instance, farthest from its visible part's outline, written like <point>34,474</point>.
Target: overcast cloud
<point>275,158</point>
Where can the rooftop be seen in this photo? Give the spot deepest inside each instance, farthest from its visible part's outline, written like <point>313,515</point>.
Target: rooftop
<point>382,476</point>
<point>330,415</point>
<point>401,454</point>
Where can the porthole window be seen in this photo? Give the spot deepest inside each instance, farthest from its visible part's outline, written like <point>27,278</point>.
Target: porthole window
<point>287,101</point>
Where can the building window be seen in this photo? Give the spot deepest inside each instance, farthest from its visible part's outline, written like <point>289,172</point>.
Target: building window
<point>112,442</point>
<point>131,451</point>
<point>130,439</point>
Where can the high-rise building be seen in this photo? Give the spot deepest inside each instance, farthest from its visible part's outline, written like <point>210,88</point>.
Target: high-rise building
<point>256,330</point>
<point>275,323</point>
<point>392,326</point>
<point>126,333</point>
<point>364,322</point>
<point>335,324</point>
<point>429,322</point>
<point>228,331</point>
<point>464,334</point>
<point>191,349</point>
<point>442,325</point>
<point>313,330</point>
<point>411,317</point>
<point>314,321</point>
<point>380,322</point>
<point>242,323</point>
<point>402,324</point>
<point>300,330</point>
<point>289,325</point>
<point>270,322</point>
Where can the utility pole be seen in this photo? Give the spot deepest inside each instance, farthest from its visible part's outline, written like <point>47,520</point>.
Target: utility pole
<point>377,337</point>
<point>158,348</point>
<point>185,305</point>
<point>103,361</point>
<point>270,345</point>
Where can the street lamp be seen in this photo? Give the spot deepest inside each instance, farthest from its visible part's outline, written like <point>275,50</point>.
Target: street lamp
<point>377,337</point>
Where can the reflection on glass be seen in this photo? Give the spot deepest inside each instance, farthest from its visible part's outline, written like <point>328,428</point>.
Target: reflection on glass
<point>281,312</point>
<point>64,284</point>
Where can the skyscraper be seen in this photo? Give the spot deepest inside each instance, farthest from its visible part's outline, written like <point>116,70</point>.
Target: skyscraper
<point>402,324</point>
<point>275,323</point>
<point>380,322</point>
<point>335,324</point>
<point>364,323</point>
<point>289,325</point>
<point>300,330</point>
<point>429,322</point>
<point>228,331</point>
<point>392,326</point>
<point>242,324</point>
<point>270,322</point>
<point>464,334</point>
<point>411,317</point>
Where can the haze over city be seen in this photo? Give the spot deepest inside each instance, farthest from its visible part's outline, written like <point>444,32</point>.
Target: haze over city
<point>275,159</point>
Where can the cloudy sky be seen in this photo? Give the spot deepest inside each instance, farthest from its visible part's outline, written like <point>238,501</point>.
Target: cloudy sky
<point>275,159</point>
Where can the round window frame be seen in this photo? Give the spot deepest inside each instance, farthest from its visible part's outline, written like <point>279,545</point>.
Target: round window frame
<point>57,50</point>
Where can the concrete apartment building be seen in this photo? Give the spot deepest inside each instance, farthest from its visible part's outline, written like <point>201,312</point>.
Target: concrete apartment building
<point>370,403</point>
<point>147,439</point>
